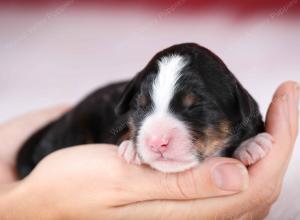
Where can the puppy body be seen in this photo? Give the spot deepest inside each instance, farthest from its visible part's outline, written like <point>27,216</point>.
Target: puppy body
<point>92,121</point>
<point>184,106</point>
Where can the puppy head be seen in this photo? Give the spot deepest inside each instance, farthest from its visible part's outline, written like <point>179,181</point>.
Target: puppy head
<point>180,108</point>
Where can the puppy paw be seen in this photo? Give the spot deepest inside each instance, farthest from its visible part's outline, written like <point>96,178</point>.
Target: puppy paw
<point>254,149</point>
<point>127,151</point>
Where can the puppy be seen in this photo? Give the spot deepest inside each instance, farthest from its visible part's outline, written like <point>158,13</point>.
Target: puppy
<point>183,107</point>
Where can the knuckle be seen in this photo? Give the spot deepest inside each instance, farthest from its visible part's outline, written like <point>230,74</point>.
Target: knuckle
<point>254,215</point>
<point>263,213</point>
<point>167,184</point>
<point>181,187</point>
<point>269,194</point>
<point>186,184</point>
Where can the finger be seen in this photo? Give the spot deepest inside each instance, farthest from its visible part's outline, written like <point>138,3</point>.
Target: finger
<point>293,104</point>
<point>214,177</point>
<point>199,182</point>
<point>290,92</point>
<point>260,213</point>
<point>211,208</point>
<point>208,209</point>
<point>263,175</point>
<point>130,184</point>
<point>296,111</point>
<point>282,124</point>
<point>266,175</point>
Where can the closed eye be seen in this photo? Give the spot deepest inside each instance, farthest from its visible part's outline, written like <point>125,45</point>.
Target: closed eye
<point>189,101</point>
<point>194,106</point>
<point>143,100</point>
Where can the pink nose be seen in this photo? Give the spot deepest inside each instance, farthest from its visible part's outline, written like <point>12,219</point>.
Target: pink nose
<point>158,143</point>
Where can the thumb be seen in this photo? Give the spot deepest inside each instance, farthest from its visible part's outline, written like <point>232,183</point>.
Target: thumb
<point>214,177</point>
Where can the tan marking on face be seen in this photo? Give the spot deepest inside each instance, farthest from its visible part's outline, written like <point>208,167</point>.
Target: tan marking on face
<point>142,100</point>
<point>224,127</point>
<point>188,100</point>
<point>214,139</point>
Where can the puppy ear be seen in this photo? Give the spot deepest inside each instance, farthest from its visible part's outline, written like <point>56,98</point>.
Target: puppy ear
<point>130,90</point>
<point>134,86</point>
<point>248,107</point>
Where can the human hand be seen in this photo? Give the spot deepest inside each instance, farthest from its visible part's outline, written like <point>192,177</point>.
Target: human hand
<point>54,173</point>
<point>91,182</point>
<point>265,181</point>
<point>14,132</point>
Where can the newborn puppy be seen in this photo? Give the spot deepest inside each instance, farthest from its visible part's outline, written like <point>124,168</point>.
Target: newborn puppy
<point>183,107</point>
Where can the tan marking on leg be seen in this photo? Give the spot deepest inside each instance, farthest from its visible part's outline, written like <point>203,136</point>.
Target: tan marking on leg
<point>130,133</point>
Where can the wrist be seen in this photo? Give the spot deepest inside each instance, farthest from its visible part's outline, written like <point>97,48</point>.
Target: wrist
<point>8,201</point>
<point>18,201</point>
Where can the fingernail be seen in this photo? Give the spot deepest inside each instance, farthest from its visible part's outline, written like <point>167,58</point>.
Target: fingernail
<point>231,177</point>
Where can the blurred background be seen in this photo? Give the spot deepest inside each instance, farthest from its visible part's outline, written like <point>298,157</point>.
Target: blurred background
<point>58,51</point>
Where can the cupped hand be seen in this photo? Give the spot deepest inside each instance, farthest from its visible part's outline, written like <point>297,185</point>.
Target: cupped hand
<point>14,132</point>
<point>91,182</point>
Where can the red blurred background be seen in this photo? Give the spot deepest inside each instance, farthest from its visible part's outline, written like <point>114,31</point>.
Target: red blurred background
<point>246,7</point>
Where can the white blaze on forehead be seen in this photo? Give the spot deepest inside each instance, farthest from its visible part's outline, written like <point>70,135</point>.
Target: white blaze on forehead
<point>169,69</point>
<point>161,124</point>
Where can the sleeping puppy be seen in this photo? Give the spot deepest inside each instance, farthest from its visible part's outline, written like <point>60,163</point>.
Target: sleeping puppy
<point>183,107</point>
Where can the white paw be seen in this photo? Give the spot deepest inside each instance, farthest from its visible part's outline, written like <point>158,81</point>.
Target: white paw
<point>127,151</point>
<point>254,149</point>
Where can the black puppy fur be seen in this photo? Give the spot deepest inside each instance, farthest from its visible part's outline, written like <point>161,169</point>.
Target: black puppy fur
<point>210,100</point>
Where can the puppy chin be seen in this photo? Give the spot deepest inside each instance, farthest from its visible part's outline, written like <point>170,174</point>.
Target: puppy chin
<point>173,166</point>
